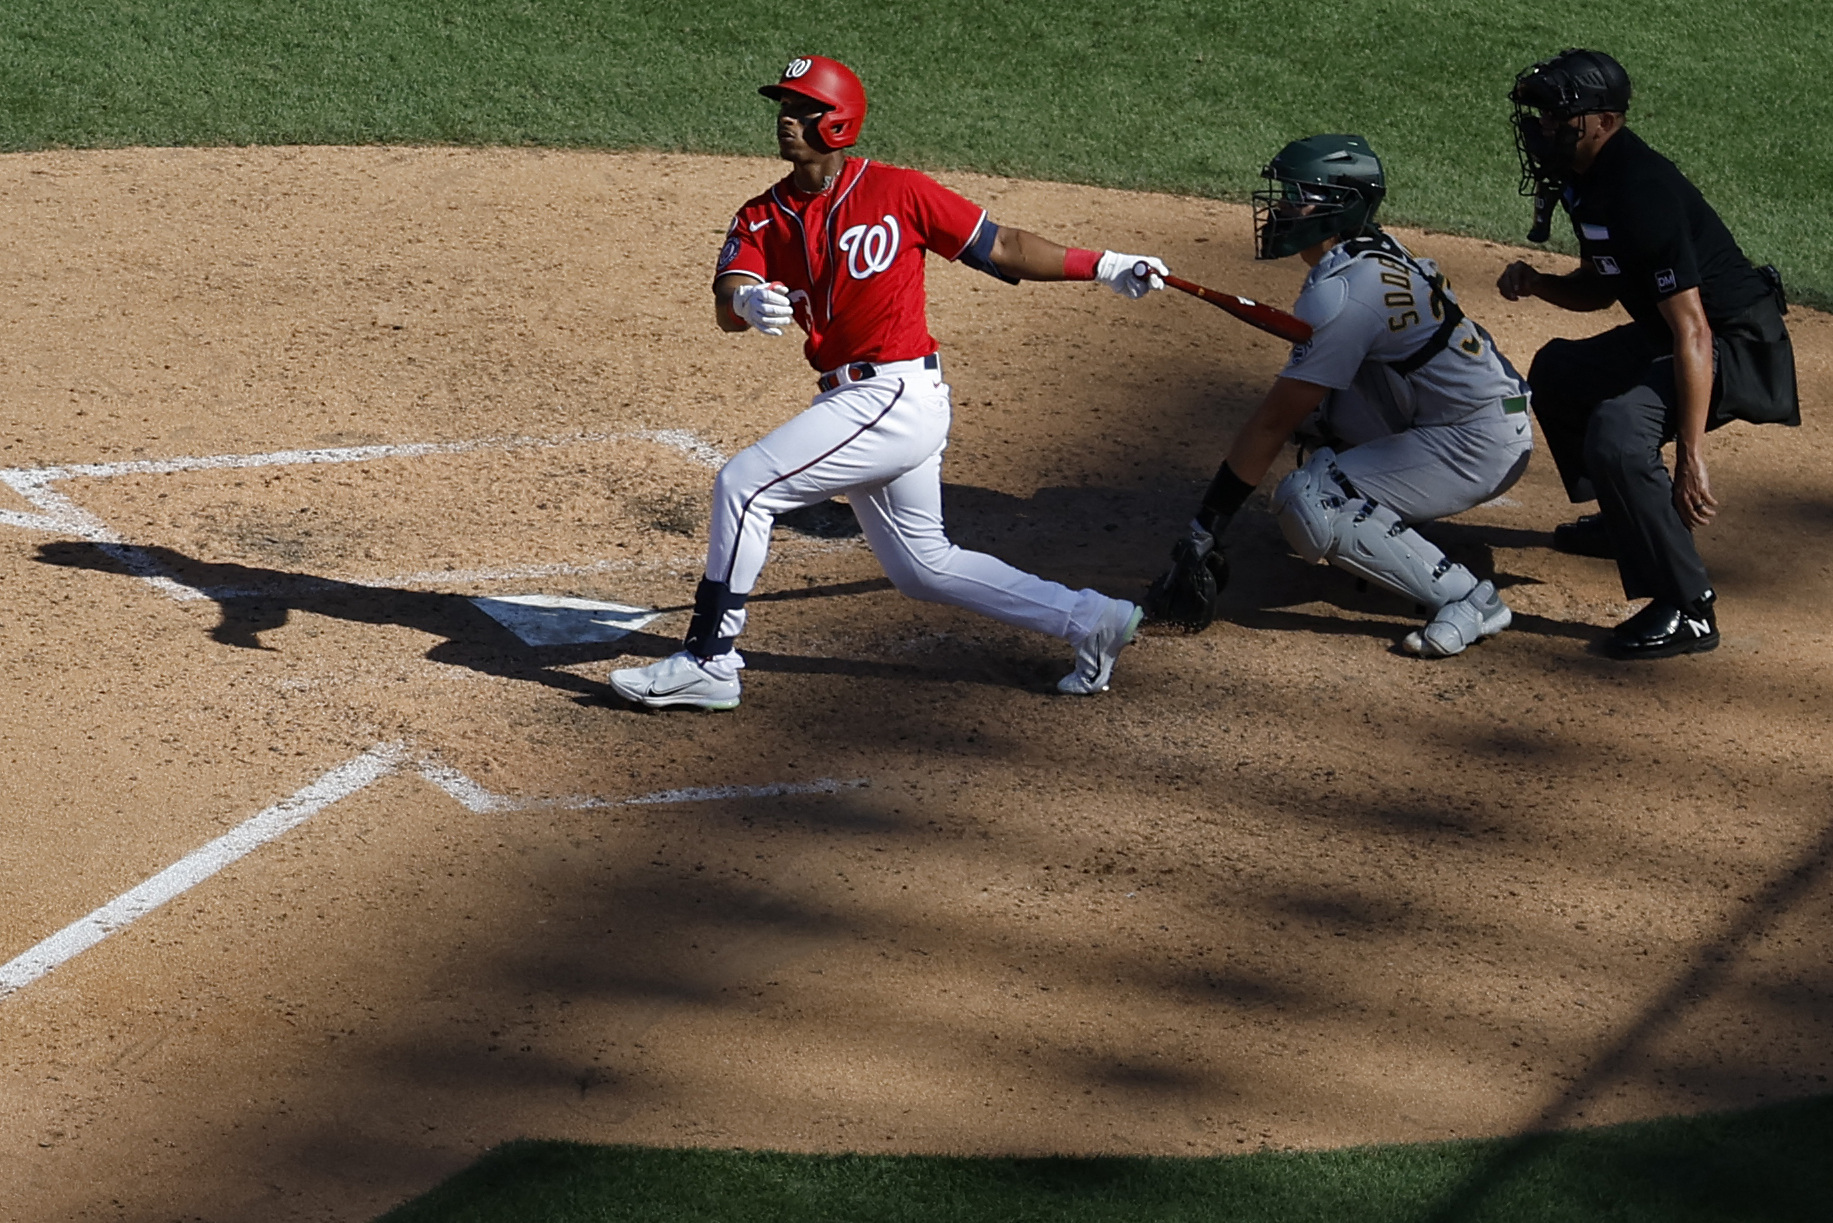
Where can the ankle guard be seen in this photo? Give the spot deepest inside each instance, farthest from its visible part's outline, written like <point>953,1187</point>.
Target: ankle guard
<point>712,600</point>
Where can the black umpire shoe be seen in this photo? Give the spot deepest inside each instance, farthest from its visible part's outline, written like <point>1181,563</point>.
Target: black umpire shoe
<point>1586,537</point>
<point>1662,630</point>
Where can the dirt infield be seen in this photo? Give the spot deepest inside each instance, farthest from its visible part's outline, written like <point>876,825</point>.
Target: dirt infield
<point>1282,886</point>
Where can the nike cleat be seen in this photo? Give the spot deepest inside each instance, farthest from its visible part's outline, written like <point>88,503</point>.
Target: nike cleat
<point>679,679</point>
<point>1460,624</point>
<point>1096,653</point>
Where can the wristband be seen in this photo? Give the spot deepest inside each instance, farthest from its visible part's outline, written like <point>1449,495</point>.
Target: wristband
<point>1079,264</point>
<point>1227,493</point>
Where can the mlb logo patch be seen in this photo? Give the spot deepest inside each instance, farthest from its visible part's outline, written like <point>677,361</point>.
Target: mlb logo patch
<point>1665,280</point>
<point>1606,266</point>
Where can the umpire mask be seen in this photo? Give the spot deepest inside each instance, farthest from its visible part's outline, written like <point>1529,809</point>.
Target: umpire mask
<point>1573,83</point>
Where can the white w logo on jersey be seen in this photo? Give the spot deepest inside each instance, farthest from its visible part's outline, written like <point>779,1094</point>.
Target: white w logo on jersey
<point>870,251</point>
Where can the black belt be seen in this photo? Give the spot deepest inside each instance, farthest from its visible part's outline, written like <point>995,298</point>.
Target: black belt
<point>859,371</point>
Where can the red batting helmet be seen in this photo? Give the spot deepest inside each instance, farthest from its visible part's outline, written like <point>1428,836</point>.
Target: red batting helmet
<point>832,83</point>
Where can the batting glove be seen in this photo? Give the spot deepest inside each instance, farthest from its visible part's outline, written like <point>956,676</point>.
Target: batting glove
<point>1116,272</point>
<point>765,307</point>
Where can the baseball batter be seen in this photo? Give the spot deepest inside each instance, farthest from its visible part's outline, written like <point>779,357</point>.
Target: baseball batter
<point>1415,413</point>
<point>837,248</point>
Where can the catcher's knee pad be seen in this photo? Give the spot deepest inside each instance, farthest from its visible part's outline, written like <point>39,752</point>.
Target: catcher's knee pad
<point>1325,520</point>
<point>1307,502</point>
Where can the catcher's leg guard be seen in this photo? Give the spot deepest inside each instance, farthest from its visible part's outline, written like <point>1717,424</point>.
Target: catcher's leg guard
<point>1325,520</point>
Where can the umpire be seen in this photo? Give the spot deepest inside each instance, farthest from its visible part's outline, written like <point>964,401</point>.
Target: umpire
<point>1706,345</point>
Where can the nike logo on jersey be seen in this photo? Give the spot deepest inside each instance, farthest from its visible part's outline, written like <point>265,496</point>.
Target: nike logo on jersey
<point>759,225</point>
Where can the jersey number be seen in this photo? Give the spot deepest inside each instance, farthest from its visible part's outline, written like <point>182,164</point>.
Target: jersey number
<point>870,251</point>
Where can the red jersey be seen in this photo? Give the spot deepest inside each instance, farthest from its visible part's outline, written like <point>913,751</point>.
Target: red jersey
<point>852,256</point>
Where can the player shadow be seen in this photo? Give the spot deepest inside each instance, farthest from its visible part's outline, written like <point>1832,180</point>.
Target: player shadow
<point>1269,583</point>
<point>253,600</point>
<point>1119,539</point>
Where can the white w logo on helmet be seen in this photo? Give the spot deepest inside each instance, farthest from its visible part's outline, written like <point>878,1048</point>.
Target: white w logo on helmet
<point>797,67</point>
<point>870,251</point>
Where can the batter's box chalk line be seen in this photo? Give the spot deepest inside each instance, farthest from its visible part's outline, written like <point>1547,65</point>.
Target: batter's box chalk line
<point>271,823</point>
<point>59,515</point>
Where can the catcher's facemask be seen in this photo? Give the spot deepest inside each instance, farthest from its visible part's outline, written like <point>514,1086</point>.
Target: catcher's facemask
<point>1291,216</point>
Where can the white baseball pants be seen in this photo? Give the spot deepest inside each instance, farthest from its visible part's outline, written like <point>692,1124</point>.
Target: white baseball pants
<point>878,442</point>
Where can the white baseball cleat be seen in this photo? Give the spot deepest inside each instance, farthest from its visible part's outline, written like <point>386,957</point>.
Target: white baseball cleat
<point>1460,623</point>
<point>678,679</point>
<point>1096,652</point>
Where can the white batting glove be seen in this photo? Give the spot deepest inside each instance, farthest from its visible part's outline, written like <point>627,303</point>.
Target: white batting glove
<point>1116,272</point>
<point>765,307</point>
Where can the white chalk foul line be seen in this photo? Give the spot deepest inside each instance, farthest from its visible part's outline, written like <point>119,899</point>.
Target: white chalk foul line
<point>474,797</point>
<point>195,867</point>
<point>694,447</point>
<point>58,514</point>
<point>287,814</point>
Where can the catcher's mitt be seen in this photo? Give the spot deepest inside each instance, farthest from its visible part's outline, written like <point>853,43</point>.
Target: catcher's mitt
<point>1189,593</point>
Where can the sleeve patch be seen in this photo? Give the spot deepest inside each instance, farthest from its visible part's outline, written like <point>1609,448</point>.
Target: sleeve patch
<point>1665,280</point>
<point>727,253</point>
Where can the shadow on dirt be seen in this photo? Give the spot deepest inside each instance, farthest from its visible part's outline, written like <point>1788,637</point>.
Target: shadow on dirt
<point>1118,540</point>
<point>254,600</point>
<point>1267,900</point>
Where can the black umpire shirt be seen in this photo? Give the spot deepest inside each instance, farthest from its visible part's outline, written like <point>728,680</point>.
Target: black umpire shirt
<point>1648,234</point>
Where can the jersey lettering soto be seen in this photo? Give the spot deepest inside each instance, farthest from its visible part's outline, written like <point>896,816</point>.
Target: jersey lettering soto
<point>852,256</point>
<point>1370,305</point>
<point>1641,225</point>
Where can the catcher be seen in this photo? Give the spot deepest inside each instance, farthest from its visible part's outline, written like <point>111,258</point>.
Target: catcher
<point>1407,407</point>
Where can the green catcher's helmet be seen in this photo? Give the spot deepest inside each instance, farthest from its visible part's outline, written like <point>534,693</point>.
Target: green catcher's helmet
<point>1319,187</point>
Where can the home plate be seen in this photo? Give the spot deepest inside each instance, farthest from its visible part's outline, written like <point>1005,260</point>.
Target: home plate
<point>553,620</point>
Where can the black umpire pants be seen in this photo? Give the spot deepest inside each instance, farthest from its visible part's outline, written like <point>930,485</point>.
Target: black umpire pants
<point>1608,404</point>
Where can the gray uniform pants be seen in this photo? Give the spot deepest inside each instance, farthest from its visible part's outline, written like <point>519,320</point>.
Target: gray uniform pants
<point>1423,472</point>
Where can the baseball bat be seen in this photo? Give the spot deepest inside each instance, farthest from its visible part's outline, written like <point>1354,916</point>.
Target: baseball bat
<point>1270,319</point>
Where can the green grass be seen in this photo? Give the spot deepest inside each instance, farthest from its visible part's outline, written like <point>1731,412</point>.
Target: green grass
<point>1769,1165</point>
<point>1178,95</point>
